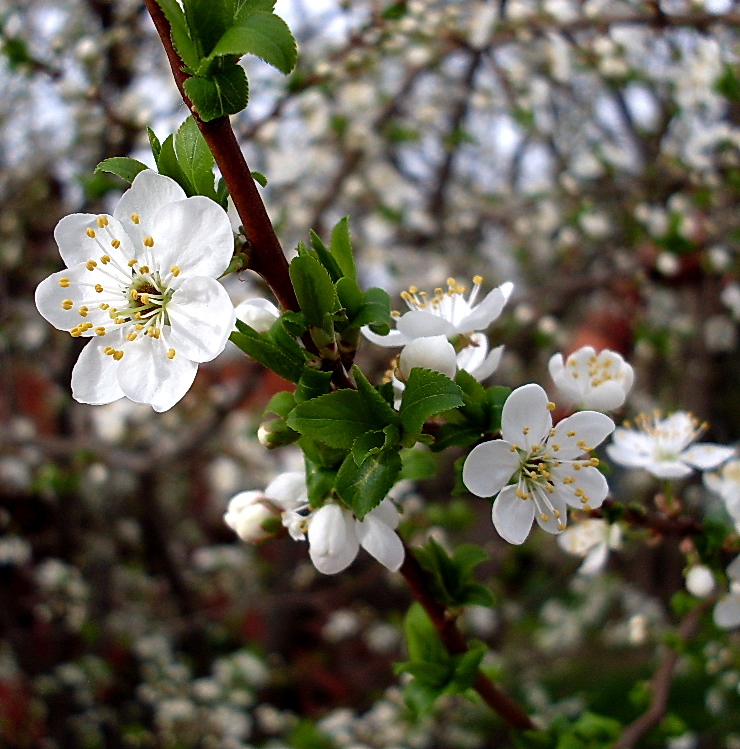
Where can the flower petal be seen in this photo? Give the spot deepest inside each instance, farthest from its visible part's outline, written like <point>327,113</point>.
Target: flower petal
<point>94,379</point>
<point>146,375</point>
<point>607,396</point>
<point>552,519</point>
<point>201,317</point>
<point>512,517</point>
<point>50,295</point>
<point>380,542</point>
<point>394,338</point>
<point>420,324</point>
<point>332,538</point>
<point>580,433</point>
<point>705,455</point>
<point>489,467</point>
<point>587,488</point>
<point>259,314</point>
<point>525,419</point>
<point>387,513</point>
<point>288,489</point>
<point>435,353</point>
<point>148,192</point>
<point>77,246</point>
<point>668,469</point>
<point>483,314</point>
<point>194,235</point>
<point>595,560</point>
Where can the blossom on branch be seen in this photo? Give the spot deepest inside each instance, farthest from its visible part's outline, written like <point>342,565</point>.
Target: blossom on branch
<point>142,284</point>
<point>589,380</point>
<point>591,539</point>
<point>548,465</point>
<point>334,534</point>
<point>663,446</point>
<point>726,483</point>
<point>727,610</point>
<point>446,313</point>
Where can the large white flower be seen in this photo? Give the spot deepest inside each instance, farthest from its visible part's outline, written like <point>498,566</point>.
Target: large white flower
<point>548,465</point>
<point>726,483</point>
<point>446,313</point>
<point>334,534</point>
<point>663,446</point>
<point>590,380</point>
<point>727,610</point>
<point>142,284</point>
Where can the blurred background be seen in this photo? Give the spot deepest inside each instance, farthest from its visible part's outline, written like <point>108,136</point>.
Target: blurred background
<point>588,150</point>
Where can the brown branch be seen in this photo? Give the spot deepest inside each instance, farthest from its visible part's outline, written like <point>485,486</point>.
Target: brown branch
<point>266,255</point>
<point>500,702</point>
<point>660,686</point>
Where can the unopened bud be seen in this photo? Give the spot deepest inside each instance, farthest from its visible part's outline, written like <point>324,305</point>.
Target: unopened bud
<point>700,581</point>
<point>252,517</point>
<point>276,433</point>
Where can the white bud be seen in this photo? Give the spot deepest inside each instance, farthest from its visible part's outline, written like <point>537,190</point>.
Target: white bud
<point>258,314</point>
<point>434,352</point>
<point>247,514</point>
<point>700,581</point>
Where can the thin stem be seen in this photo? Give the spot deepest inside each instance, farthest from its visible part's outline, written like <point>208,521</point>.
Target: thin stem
<point>660,686</point>
<point>266,256</point>
<point>500,702</point>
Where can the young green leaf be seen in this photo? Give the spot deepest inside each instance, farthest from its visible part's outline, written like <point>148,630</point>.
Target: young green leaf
<point>223,93</point>
<point>417,465</point>
<point>350,297</point>
<point>337,419</point>
<point>375,311</point>
<point>325,257</point>
<point>194,158</point>
<point>122,166</point>
<point>207,21</point>
<point>365,486</point>
<point>245,8</point>
<point>287,362</point>
<point>281,404</point>
<point>259,178</point>
<point>184,44</point>
<point>315,292</point>
<point>427,393</point>
<point>341,248</point>
<point>169,166</point>
<point>154,144</point>
<point>262,34</point>
<point>312,384</point>
<point>373,399</point>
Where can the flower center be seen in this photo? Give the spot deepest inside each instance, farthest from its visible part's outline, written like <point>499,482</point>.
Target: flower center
<point>447,303</point>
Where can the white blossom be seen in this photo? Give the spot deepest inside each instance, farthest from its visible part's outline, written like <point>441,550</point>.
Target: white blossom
<point>663,446</point>
<point>595,381</point>
<point>434,352</point>
<point>547,464</point>
<point>259,314</point>
<point>700,581</point>
<point>334,534</point>
<point>591,539</point>
<point>727,610</point>
<point>446,313</point>
<point>142,285</point>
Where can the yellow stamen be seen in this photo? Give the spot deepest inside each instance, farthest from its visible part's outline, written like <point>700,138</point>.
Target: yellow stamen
<point>551,406</point>
<point>118,355</point>
<point>171,354</point>
<point>100,331</point>
<point>91,265</point>
<point>149,242</point>
<point>67,304</point>
<point>102,221</point>
<point>135,218</point>
<point>90,233</point>
<point>175,270</point>
<point>83,311</point>
<point>115,243</point>
<point>64,282</point>
<point>105,259</point>
<point>98,288</point>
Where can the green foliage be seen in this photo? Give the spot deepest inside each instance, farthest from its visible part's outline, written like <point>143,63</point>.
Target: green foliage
<point>306,736</point>
<point>122,166</point>
<point>210,36</point>
<point>427,393</point>
<point>195,159</point>
<point>417,465</point>
<point>588,731</point>
<point>435,672</point>
<point>276,349</point>
<point>452,576</point>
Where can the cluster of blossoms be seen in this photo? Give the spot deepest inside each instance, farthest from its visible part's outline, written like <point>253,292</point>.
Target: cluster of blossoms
<point>334,534</point>
<point>443,331</point>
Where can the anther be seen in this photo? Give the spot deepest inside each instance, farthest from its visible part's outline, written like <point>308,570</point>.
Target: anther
<point>99,288</point>
<point>100,331</point>
<point>104,306</point>
<point>119,320</point>
<point>175,270</point>
<point>561,526</point>
<point>115,243</point>
<point>571,433</point>
<point>83,311</point>
<point>144,298</point>
<point>91,265</point>
<point>132,262</point>
<point>131,337</point>
<point>149,241</point>
<point>135,218</point>
<point>144,269</point>
<point>118,355</point>
<point>551,406</point>
<point>544,518</point>
<point>105,259</point>
<point>90,232</point>
<point>525,430</point>
<point>171,354</point>
<point>64,282</point>
<point>67,304</point>
<point>102,221</point>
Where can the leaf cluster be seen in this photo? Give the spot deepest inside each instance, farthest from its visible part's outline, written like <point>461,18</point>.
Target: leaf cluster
<point>211,36</point>
<point>435,672</point>
<point>588,731</point>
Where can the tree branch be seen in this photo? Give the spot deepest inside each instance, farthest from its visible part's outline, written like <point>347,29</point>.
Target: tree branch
<point>444,623</point>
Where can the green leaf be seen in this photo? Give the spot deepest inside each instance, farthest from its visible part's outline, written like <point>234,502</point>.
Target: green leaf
<point>208,21</point>
<point>322,455</point>
<point>184,44</point>
<point>319,481</point>
<point>450,435</point>
<point>365,486</point>
<point>245,8</point>
<point>154,144</point>
<point>375,311</point>
<point>497,396</point>
<point>259,178</point>
<point>325,257</point>
<point>288,363</point>
<point>337,419</point>
<point>122,166</point>
<point>351,298</point>
<point>312,384</point>
<point>169,166</point>
<point>315,292</point>
<point>281,404</point>
<point>466,668</point>
<point>195,158</point>
<point>367,444</point>
<point>422,641</point>
<point>341,248</point>
<point>223,93</point>
<point>373,399</point>
<point>262,34</point>
<point>427,393</point>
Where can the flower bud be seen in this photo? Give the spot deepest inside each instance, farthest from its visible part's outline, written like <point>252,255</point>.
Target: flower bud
<point>252,517</point>
<point>276,433</point>
<point>434,352</point>
<point>700,581</point>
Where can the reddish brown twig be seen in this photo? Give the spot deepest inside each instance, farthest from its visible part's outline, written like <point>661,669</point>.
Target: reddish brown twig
<point>660,686</point>
<point>445,624</point>
<point>266,255</point>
